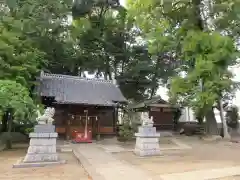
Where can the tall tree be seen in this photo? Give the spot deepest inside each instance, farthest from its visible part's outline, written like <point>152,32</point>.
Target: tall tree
<point>107,40</point>
<point>205,56</point>
<point>46,23</point>
<point>20,60</point>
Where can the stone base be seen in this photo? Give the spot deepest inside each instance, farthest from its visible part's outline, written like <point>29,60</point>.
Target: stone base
<point>147,142</point>
<point>42,147</point>
<point>43,135</point>
<point>21,164</point>
<point>147,146</point>
<point>143,153</point>
<point>30,158</point>
<point>44,128</point>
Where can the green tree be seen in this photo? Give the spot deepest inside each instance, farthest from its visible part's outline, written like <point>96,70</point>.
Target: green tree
<point>106,40</point>
<point>156,32</point>
<point>19,60</point>
<point>201,52</point>
<point>210,79</point>
<point>109,45</point>
<point>15,100</point>
<point>46,23</point>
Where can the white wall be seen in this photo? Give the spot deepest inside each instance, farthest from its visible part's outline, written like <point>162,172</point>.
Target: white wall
<point>187,115</point>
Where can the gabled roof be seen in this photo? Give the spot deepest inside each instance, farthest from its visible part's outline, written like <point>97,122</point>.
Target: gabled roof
<point>77,90</point>
<point>155,101</point>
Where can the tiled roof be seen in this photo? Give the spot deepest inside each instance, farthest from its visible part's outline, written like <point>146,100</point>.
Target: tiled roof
<point>76,90</point>
<point>148,102</point>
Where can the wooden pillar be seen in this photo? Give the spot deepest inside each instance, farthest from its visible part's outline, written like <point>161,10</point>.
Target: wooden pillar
<point>115,118</point>
<point>68,124</point>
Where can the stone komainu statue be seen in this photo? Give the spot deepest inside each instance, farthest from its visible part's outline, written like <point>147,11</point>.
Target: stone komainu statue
<point>47,117</point>
<point>146,121</point>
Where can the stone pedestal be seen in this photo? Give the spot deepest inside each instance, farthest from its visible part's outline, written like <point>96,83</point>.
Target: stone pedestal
<point>147,141</point>
<point>42,148</point>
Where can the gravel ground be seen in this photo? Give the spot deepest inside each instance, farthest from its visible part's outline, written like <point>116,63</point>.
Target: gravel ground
<point>71,170</point>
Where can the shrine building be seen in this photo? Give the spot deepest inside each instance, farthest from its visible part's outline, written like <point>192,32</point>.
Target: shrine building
<point>79,100</point>
<point>161,111</point>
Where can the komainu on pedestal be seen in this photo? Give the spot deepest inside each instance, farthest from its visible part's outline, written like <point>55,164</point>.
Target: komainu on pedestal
<point>147,139</point>
<point>42,146</point>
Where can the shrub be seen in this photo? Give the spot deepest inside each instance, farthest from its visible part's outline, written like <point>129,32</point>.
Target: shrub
<point>28,130</point>
<point>192,128</point>
<point>126,131</point>
<point>232,117</point>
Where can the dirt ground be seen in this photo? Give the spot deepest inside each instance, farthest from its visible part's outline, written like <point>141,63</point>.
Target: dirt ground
<point>203,155</point>
<point>71,170</point>
<point>229,178</point>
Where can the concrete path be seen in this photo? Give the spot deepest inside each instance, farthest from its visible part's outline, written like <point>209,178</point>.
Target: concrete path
<point>203,174</point>
<point>103,166</point>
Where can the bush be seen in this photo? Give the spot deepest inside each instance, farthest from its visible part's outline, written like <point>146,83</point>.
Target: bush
<point>191,129</point>
<point>125,132</point>
<point>232,117</point>
<point>28,130</point>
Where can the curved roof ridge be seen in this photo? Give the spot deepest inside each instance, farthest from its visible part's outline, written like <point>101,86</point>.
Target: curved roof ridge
<point>61,76</point>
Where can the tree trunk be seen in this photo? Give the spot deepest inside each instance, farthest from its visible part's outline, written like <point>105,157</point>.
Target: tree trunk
<point>198,23</point>
<point>200,120</point>
<point>224,123</point>
<point>4,122</point>
<point>155,77</point>
<point>211,123</point>
<point>9,137</point>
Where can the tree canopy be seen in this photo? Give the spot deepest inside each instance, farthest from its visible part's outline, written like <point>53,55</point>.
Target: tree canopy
<point>15,98</point>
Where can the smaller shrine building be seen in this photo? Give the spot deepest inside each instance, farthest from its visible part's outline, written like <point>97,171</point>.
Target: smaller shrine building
<point>78,101</point>
<point>161,111</point>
